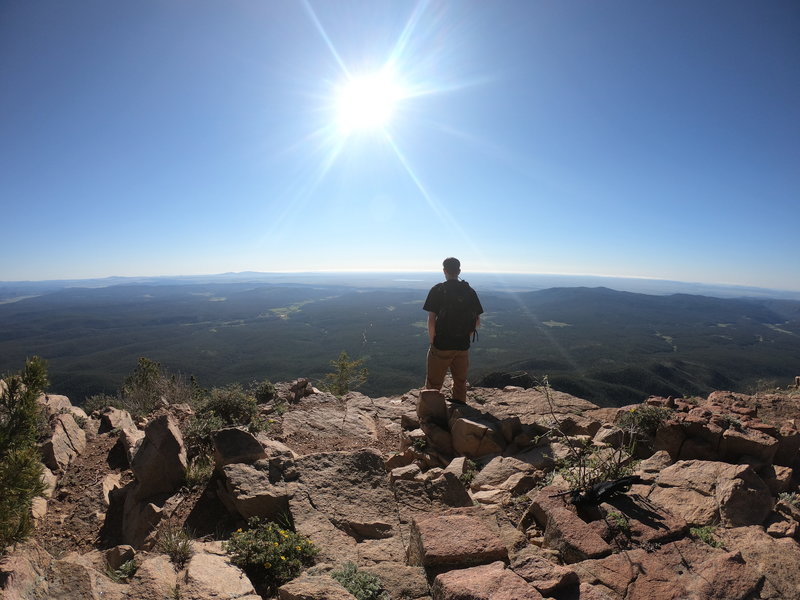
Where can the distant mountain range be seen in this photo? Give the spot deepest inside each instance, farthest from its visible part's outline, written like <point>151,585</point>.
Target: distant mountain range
<point>501,282</point>
<point>611,347</point>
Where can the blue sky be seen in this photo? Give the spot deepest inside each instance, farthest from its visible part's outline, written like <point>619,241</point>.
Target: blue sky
<point>654,139</point>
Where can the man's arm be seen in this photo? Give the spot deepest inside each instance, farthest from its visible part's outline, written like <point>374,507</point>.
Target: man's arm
<point>431,326</point>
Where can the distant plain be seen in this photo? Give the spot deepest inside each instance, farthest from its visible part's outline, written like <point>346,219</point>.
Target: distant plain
<point>611,347</point>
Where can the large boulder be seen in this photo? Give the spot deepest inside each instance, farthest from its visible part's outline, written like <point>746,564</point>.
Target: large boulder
<point>154,579</point>
<point>22,572</point>
<point>75,576</point>
<point>115,419</point>
<point>432,407</point>
<point>486,582</point>
<point>248,491</point>
<point>210,574</point>
<point>160,463</point>
<point>475,438</point>
<point>235,445</point>
<point>498,471</point>
<point>54,404</point>
<point>564,530</point>
<point>706,492</point>
<point>572,537</point>
<point>454,540</point>
<point>66,442</point>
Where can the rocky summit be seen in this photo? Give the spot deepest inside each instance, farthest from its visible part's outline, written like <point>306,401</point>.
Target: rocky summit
<point>517,494</point>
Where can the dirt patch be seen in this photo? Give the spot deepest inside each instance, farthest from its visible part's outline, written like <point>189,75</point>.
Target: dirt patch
<point>77,510</point>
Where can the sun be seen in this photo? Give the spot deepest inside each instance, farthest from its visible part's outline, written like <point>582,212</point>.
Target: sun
<point>368,102</point>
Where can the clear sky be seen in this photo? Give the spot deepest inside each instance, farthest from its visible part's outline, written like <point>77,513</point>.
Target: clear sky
<point>176,137</point>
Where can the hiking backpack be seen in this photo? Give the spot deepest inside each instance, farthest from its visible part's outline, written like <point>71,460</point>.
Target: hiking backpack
<point>457,316</point>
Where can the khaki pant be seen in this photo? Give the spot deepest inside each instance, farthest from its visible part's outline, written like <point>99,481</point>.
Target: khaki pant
<point>439,361</point>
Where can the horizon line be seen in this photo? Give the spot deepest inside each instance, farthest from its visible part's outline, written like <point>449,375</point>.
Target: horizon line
<point>387,271</point>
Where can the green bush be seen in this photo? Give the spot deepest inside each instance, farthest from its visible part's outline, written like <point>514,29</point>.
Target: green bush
<point>146,389</point>
<point>263,391</point>
<point>618,521</point>
<point>270,554</point>
<point>471,469</point>
<point>706,535</point>
<point>20,466</point>
<point>347,375</point>
<point>364,586</point>
<point>229,406</point>
<point>644,420</point>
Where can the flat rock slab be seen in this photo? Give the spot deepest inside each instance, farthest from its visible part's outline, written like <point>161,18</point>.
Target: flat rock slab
<point>327,417</point>
<point>531,405</point>
<point>647,522</point>
<point>342,499</point>
<point>682,569</point>
<point>487,582</point>
<point>453,540</point>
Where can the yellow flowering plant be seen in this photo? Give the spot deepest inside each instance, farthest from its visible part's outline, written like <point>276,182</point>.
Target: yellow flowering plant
<point>270,555</point>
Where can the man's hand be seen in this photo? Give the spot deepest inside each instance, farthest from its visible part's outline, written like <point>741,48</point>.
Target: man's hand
<point>431,326</point>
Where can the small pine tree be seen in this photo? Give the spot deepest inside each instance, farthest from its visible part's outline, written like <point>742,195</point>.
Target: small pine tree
<point>348,375</point>
<point>20,467</point>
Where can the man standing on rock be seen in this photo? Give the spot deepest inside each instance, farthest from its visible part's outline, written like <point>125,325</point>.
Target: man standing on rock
<point>453,316</point>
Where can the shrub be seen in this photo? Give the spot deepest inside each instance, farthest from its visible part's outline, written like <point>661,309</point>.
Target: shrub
<point>125,572</point>
<point>229,406</point>
<point>347,375</point>
<point>364,586</point>
<point>263,391</point>
<point>145,389</point>
<point>619,521</point>
<point>199,471</point>
<point>20,467</point>
<point>232,404</point>
<point>585,464</point>
<point>706,535</point>
<point>175,543</point>
<point>270,554</point>
<point>471,469</point>
<point>791,498</point>
<point>644,420</point>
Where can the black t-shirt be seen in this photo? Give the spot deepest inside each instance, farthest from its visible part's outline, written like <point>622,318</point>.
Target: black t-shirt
<point>434,303</point>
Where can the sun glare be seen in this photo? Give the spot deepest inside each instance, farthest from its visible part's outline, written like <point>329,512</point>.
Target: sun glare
<point>367,102</point>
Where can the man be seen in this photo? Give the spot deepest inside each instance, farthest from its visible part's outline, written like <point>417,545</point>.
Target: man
<point>453,315</point>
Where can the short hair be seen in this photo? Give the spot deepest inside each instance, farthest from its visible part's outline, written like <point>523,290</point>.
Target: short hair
<point>452,265</point>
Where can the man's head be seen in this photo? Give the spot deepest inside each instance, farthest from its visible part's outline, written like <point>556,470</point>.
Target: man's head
<point>452,267</point>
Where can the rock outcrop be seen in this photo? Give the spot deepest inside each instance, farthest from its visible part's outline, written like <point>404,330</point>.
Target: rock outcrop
<point>437,500</point>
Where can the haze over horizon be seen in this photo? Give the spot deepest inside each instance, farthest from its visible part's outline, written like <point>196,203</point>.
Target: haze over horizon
<point>620,139</point>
